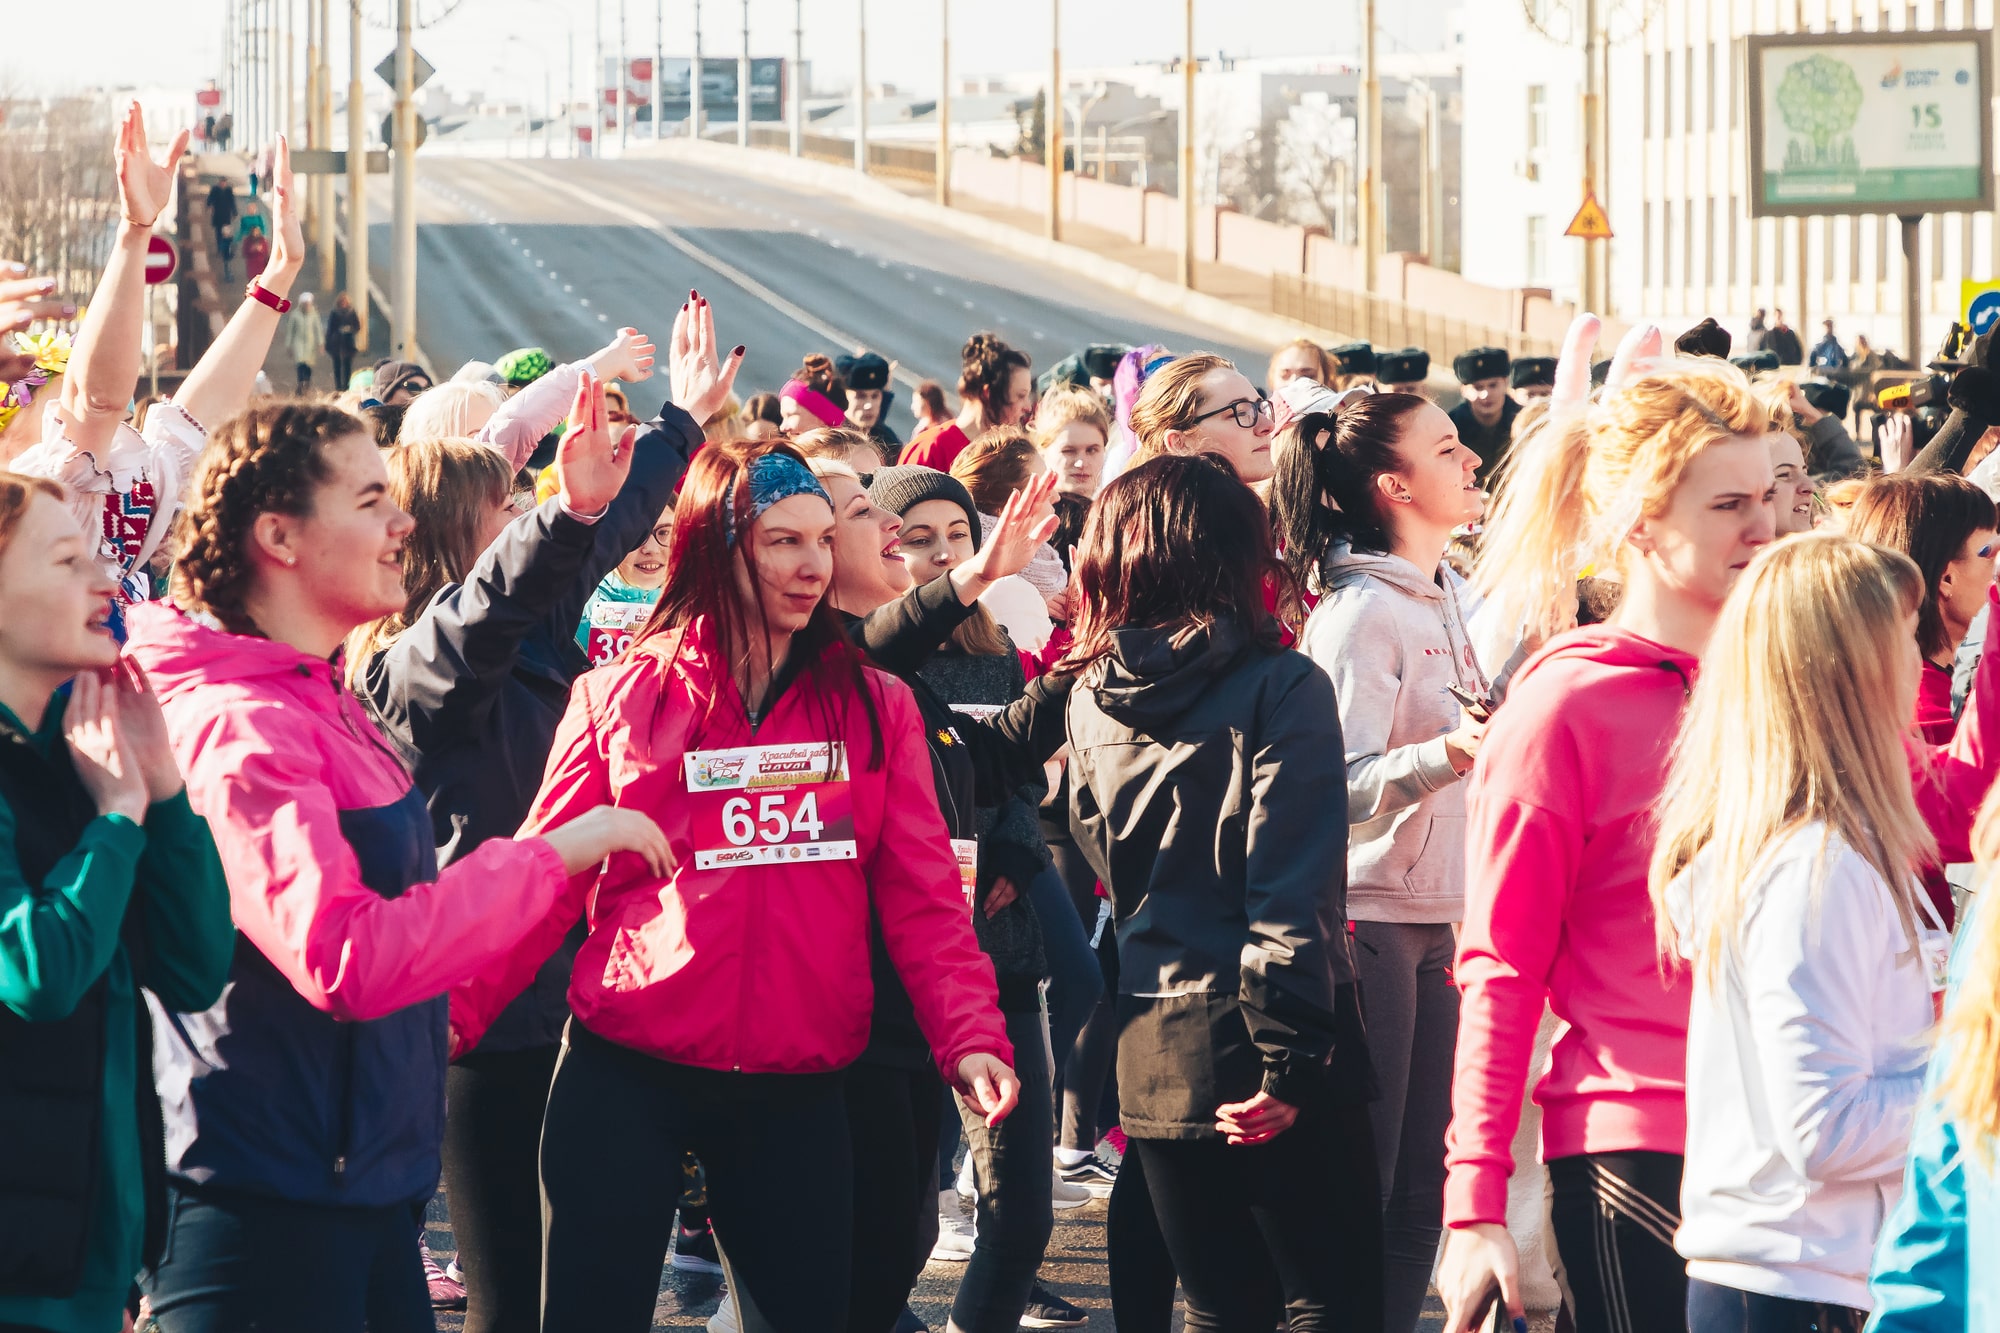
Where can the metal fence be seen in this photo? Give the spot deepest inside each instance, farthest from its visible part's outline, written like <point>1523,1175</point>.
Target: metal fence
<point>1388,323</point>
<point>901,160</point>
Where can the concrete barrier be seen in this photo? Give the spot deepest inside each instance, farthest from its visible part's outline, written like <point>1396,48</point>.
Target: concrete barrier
<point>1260,246</point>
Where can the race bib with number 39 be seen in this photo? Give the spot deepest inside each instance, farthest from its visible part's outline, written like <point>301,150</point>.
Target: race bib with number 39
<point>611,628</point>
<point>770,805</point>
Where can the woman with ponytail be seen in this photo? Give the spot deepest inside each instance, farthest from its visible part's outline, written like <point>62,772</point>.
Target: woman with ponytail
<point>1785,878</point>
<point>1390,480</point>
<point>305,1110</point>
<point>996,387</point>
<point>814,398</point>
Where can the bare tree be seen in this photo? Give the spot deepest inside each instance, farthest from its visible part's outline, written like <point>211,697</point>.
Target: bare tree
<point>1315,146</point>
<point>58,188</point>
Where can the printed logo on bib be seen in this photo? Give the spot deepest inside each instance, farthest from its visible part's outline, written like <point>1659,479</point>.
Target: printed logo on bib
<point>612,625</point>
<point>966,852</point>
<point>770,805</point>
<point>978,712</point>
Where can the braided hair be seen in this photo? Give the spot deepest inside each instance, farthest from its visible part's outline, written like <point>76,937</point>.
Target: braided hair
<point>266,460</point>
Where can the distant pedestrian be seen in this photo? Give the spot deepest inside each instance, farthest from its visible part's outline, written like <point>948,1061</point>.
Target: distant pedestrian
<point>223,129</point>
<point>343,325</point>
<point>1782,340</point>
<point>1827,353</point>
<point>304,339</point>
<point>256,253</point>
<point>222,218</point>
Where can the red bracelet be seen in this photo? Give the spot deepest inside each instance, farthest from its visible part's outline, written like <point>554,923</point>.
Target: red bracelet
<point>258,292</point>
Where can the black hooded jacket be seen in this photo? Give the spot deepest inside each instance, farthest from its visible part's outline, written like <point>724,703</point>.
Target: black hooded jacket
<point>1208,791</point>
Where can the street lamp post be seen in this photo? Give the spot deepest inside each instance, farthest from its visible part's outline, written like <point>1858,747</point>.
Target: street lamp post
<point>1187,153</point>
<point>403,258</point>
<point>1052,122</point>
<point>743,84</point>
<point>861,93</point>
<point>357,179</point>
<point>942,171</point>
<point>1369,144</point>
<point>695,97</point>
<point>798,80</point>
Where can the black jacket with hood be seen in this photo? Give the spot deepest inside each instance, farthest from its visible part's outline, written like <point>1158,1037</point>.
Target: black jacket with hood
<point>1208,790</point>
<point>473,691</point>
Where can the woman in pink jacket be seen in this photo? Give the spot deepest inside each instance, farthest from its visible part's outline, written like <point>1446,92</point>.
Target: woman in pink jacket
<point>714,1006</point>
<point>304,1112</point>
<point>1667,480</point>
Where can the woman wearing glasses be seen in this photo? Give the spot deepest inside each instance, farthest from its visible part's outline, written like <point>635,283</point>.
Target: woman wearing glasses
<point>625,596</point>
<point>1202,404</point>
<point>471,680</point>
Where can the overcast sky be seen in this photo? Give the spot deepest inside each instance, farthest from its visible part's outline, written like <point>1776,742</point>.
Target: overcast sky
<point>483,44</point>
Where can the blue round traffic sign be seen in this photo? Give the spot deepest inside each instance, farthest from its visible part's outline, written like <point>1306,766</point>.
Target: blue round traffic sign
<point>1985,308</point>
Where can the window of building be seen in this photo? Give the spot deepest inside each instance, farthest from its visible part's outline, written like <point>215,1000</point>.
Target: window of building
<point>1708,241</point>
<point>1646,245</point>
<point>1714,90</point>
<point>1734,271</point>
<point>1667,92</point>
<point>1666,243</point>
<point>1646,100</point>
<point>1738,72</point>
<point>1687,244</point>
<point>1538,130</point>
<point>1538,258</point>
<point>1687,93</point>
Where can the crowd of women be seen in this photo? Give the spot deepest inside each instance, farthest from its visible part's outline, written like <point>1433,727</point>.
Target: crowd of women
<point>1372,862</point>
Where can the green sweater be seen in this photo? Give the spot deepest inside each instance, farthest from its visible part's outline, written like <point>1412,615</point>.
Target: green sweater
<point>57,938</point>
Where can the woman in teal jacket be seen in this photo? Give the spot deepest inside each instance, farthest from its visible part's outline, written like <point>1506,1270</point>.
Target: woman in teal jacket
<point>1933,1264</point>
<point>108,882</point>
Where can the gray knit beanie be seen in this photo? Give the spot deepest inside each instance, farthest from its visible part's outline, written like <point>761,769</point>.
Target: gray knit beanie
<point>901,489</point>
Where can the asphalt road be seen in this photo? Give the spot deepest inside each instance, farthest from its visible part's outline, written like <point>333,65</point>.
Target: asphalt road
<point>562,253</point>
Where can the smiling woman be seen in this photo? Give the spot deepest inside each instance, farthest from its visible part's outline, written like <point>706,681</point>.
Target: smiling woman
<point>335,1011</point>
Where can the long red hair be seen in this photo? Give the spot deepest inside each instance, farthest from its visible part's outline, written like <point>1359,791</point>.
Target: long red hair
<point>712,522</point>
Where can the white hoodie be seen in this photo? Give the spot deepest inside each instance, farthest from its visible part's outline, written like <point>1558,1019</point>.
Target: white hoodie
<point>1805,1061</point>
<point>1390,636</point>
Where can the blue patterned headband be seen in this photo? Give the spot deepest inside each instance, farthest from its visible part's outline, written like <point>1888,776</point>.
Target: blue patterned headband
<point>775,477</point>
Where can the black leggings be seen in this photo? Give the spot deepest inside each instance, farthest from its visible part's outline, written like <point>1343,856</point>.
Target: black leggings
<point>1308,1199</point>
<point>892,1125</point>
<point>492,1138</point>
<point>1614,1216</point>
<point>1717,1309</point>
<point>780,1187</point>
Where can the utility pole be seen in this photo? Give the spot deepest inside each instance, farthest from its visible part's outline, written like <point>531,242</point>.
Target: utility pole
<point>323,183</point>
<point>1052,123</point>
<point>861,93</point>
<point>743,84</point>
<point>798,79</point>
<point>624,73</point>
<point>1593,146</point>
<point>659,66</point>
<point>290,33</point>
<point>357,179</point>
<point>569,108</point>
<point>1187,153</point>
<point>403,256</point>
<point>943,172</point>
<point>697,99</point>
<point>313,138</point>
<point>597,82</point>
<point>1370,142</point>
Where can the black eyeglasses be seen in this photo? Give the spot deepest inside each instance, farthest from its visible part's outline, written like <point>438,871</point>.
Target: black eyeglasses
<point>1243,411</point>
<point>662,535</point>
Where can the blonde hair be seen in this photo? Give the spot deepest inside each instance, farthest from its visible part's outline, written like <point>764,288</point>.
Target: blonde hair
<point>1576,486</point>
<point>722,426</point>
<point>829,465</point>
<point>1775,393</point>
<point>1170,401</point>
<point>837,442</point>
<point>453,410</point>
<point>1969,1089</point>
<point>1796,719</point>
<point>1063,406</point>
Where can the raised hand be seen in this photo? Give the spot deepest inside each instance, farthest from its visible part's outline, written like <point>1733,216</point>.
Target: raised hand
<point>144,186</point>
<point>1638,353</point>
<point>288,242</point>
<point>100,751</point>
<point>628,357</point>
<point>701,378</point>
<point>1572,388</point>
<point>592,464</point>
<point>1027,520</point>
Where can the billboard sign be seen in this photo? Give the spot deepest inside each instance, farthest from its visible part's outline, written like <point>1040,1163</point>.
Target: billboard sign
<point>718,88</point>
<point>1870,122</point>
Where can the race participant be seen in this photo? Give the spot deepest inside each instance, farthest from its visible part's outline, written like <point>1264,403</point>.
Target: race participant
<point>470,679</point>
<point>1405,370</point>
<point>624,597</point>
<point>108,882</point>
<point>305,1110</point>
<point>996,387</point>
<point>1206,787</point>
<point>842,444</point>
<point>814,398</point>
<point>1392,482</point>
<point>1784,875</point>
<point>717,1012</point>
<point>1300,358</point>
<point>1202,404</point>
<point>1072,428</point>
<point>869,398</point>
<point>1795,487</point>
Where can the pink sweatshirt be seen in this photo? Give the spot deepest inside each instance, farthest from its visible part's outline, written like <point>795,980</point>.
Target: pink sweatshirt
<point>1558,836</point>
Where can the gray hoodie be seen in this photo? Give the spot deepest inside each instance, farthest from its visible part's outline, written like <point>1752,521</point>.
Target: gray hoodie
<point>1391,637</point>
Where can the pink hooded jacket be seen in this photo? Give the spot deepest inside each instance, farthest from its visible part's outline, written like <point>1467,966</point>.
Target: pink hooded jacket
<point>756,968</point>
<point>275,751</point>
<point>1559,835</point>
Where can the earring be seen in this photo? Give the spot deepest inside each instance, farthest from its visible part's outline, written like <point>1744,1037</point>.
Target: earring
<point>290,561</point>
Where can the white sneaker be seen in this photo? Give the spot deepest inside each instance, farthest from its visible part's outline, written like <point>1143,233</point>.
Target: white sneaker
<point>1062,1194</point>
<point>956,1232</point>
<point>968,1185</point>
<point>724,1319</point>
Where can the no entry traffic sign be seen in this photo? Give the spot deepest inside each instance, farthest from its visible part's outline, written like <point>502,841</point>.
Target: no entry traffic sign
<point>161,259</point>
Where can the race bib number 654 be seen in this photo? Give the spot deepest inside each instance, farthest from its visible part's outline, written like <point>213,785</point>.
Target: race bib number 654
<point>770,804</point>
